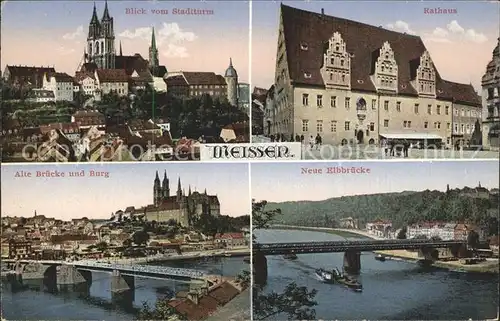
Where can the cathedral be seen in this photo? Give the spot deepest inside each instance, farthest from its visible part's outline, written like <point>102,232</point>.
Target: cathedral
<point>181,207</point>
<point>100,52</point>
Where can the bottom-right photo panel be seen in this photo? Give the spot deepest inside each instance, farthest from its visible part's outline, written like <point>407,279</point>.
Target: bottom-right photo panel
<point>375,240</point>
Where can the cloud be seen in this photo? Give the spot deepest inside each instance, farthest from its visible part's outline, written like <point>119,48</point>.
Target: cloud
<point>401,26</point>
<point>454,32</point>
<point>170,36</point>
<point>174,51</point>
<point>474,36</point>
<point>454,27</point>
<point>78,33</point>
<point>139,33</point>
<point>65,51</point>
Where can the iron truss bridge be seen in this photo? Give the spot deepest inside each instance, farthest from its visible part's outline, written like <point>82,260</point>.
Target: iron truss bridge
<point>141,270</point>
<point>344,246</point>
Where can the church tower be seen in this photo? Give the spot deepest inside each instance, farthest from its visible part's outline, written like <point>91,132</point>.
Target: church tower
<point>179,191</point>
<point>165,186</point>
<point>231,77</point>
<point>153,52</point>
<point>101,40</point>
<point>157,191</point>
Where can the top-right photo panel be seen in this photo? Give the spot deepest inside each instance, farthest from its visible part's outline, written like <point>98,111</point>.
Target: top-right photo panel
<point>378,80</point>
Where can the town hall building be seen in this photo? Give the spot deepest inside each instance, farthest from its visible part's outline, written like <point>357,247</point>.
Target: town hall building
<point>354,83</point>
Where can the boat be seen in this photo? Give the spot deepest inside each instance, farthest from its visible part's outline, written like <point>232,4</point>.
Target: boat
<point>290,256</point>
<point>325,276</point>
<point>351,283</point>
<point>246,259</point>
<point>380,257</point>
<point>227,254</point>
<point>346,280</point>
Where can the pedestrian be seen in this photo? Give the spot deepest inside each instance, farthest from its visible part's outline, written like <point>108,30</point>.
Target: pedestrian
<point>385,147</point>
<point>318,141</point>
<point>297,138</point>
<point>302,138</point>
<point>312,141</point>
<point>391,148</point>
<point>406,147</point>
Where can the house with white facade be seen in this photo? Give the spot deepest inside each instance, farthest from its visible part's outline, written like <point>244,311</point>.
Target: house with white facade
<point>41,96</point>
<point>111,80</point>
<point>88,85</point>
<point>61,84</point>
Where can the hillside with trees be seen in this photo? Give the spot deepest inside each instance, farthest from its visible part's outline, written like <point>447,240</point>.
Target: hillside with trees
<point>401,208</point>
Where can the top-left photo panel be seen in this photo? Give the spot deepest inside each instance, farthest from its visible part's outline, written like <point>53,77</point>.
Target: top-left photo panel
<point>118,81</point>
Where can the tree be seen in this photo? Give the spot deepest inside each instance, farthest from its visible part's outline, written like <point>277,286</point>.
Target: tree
<point>244,279</point>
<point>436,238</point>
<point>473,239</point>
<point>402,233</point>
<point>140,237</point>
<point>101,246</point>
<point>295,301</point>
<point>421,237</point>
<point>161,311</point>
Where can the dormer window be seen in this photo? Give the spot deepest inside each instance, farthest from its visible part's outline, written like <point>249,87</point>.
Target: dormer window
<point>303,46</point>
<point>307,74</point>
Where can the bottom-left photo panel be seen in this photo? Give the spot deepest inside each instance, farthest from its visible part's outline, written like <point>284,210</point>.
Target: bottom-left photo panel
<point>135,241</point>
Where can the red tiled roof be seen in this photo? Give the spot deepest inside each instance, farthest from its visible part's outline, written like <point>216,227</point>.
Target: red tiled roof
<point>112,75</point>
<point>224,293</point>
<point>460,93</point>
<point>176,81</point>
<point>229,236</point>
<point>60,77</point>
<point>203,78</point>
<point>206,306</point>
<point>25,71</point>
<point>64,127</point>
<point>363,43</point>
<point>131,63</point>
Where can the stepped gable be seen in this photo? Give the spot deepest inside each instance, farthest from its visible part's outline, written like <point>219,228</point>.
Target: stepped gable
<point>363,42</point>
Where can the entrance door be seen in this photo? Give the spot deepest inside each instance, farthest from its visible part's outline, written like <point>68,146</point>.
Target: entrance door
<point>359,136</point>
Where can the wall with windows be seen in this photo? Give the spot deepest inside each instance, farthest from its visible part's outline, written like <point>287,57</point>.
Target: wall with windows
<point>464,122</point>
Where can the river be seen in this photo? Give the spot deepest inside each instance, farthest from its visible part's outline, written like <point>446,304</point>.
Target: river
<point>37,304</point>
<point>392,290</point>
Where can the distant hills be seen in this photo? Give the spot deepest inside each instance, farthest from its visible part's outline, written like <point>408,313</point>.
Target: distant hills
<point>401,208</point>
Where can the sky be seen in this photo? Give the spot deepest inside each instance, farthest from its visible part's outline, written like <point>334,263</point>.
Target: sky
<point>281,182</point>
<point>460,44</point>
<point>128,185</point>
<point>53,33</point>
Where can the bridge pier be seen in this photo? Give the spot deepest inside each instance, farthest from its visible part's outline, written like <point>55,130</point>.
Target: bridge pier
<point>352,262</point>
<point>428,254</point>
<point>68,277</point>
<point>122,287</point>
<point>259,268</point>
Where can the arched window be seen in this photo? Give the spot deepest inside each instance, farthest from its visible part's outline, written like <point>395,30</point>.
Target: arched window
<point>97,47</point>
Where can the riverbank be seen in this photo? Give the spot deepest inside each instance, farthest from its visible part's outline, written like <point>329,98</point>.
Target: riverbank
<point>490,266</point>
<point>185,256</point>
<point>344,232</point>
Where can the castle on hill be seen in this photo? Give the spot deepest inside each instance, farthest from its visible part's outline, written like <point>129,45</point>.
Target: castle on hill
<point>180,207</point>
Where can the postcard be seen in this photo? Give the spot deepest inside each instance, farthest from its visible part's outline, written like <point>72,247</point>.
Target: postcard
<point>409,80</point>
<point>122,81</point>
<point>375,240</point>
<point>125,241</point>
